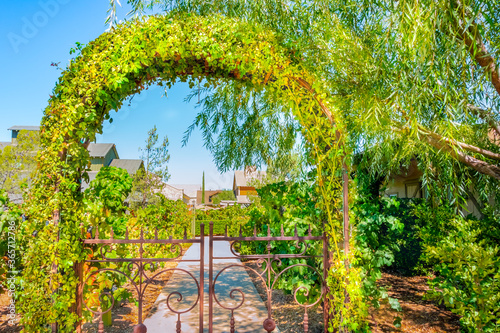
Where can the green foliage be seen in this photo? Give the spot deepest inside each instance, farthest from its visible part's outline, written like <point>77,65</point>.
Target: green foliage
<point>169,216</point>
<point>242,127</point>
<point>468,273</point>
<point>10,242</point>
<point>291,206</point>
<point>17,162</point>
<point>103,202</point>
<point>110,188</point>
<point>104,199</point>
<point>224,195</point>
<point>234,217</point>
<point>122,62</point>
<point>376,235</point>
<point>410,77</point>
<point>219,227</point>
<point>150,180</point>
<point>165,219</point>
<point>156,155</point>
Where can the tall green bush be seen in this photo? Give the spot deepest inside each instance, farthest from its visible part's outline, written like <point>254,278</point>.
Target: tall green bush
<point>468,272</point>
<point>291,206</point>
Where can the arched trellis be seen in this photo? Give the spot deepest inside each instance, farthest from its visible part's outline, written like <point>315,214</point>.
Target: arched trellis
<point>118,64</point>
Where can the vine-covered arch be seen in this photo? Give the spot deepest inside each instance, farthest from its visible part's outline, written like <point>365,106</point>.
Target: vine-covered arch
<point>120,63</point>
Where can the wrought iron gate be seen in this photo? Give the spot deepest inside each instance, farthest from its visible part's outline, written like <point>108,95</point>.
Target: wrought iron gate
<point>140,279</point>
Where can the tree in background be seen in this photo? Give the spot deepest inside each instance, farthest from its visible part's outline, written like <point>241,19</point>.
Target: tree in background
<point>203,188</point>
<point>104,199</point>
<point>151,180</point>
<point>224,195</point>
<point>17,161</point>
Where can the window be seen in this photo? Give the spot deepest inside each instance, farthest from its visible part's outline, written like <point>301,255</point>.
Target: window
<point>413,190</point>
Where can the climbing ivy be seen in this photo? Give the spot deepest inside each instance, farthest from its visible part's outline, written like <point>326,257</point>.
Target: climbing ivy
<point>160,50</point>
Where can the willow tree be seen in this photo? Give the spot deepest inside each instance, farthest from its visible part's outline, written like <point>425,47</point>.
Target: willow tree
<point>412,77</point>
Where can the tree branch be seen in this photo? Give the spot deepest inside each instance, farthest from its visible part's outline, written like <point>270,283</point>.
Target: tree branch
<point>485,115</point>
<point>462,145</point>
<point>472,38</point>
<point>441,143</point>
<point>307,86</point>
<point>476,164</point>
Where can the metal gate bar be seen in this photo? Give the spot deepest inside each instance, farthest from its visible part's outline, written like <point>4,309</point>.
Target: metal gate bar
<point>140,279</point>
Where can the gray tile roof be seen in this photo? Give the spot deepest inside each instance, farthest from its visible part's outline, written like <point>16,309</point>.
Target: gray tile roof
<point>242,179</point>
<point>190,190</point>
<point>92,175</point>
<point>28,128</point>
<point>130,165</point>
<point>243,199</point>
<point>99,149</point>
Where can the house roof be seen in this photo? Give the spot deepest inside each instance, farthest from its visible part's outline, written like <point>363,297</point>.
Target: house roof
<point>100,149</point>
<point>242,178</point>
<point>242,199</point>
<point>130,165</point>
<point>171,192</point>
<point>92,175</point>
<point>190,190</point>
<point>28,128</point>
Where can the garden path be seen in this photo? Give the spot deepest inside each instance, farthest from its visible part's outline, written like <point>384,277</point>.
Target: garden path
<point>249,317</point>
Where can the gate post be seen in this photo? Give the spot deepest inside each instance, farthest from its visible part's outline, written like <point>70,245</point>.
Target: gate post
<point>78,269</point>
<point>202,273</point>
<point>326,269</point>
<point>210,277</point>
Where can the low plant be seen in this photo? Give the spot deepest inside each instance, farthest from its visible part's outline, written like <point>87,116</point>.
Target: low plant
<point>232,217</point>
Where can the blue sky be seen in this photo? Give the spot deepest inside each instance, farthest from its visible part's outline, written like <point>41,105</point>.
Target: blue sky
<point>33,34</point>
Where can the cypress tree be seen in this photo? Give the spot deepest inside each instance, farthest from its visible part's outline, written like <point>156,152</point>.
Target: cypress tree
<point>203,188</point>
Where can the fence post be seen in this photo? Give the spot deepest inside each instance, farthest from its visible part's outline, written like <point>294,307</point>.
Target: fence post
<point>202,273</point>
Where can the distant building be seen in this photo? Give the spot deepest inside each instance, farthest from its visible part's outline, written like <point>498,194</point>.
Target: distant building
<point>131,165</point>
<point>172,193</point>
<point>16,129</point>
<point>15,132</point>
<point>209,196</point>
<point>101,154</point>
<point>189,192</point>
<point>242,184</point>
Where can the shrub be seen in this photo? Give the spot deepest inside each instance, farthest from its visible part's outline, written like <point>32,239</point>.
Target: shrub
<point>468,273</point>
<point>288,205</point>
<point>235,217</point>
<point>376,242</point>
